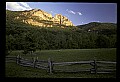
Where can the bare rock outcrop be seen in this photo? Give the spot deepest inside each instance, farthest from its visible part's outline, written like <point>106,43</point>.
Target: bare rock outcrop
<point>41,18</point>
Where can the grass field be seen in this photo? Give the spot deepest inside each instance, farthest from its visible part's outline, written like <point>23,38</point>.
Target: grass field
<point>66,55</point>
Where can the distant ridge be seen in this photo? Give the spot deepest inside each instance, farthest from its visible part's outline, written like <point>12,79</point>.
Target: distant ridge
<point>94,26</point>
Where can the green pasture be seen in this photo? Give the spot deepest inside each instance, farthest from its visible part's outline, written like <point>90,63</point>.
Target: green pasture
<point>63,55</point>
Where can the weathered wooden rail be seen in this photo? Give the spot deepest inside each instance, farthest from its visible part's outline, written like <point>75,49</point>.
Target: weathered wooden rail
<point>92,66</point>
<point>11,59</point>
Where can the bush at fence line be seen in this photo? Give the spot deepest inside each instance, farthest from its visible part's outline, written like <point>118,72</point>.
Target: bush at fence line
<point>25,51</point>
<point>7,52</point>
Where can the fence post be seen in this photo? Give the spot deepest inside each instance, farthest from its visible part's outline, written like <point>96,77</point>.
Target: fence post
<point>50,66</point>
<point>37,59</point>
<point>95,67</point>
<point>18,59</point>
<point>34,62</point>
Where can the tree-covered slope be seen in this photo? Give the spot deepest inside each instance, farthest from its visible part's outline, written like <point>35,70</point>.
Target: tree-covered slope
<point>21,36</point>
<point>98,26</point>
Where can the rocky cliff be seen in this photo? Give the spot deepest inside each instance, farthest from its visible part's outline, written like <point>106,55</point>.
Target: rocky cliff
<point>39,17</point>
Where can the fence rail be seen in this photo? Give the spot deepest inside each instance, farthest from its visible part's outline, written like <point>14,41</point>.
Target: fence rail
<point>11,59</point>
<point>70,63</point>
<point>106,62</point>
<point>93,66</point>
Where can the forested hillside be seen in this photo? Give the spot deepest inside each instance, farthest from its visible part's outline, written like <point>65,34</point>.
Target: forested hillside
<point>21,36</point>
<point>103,28</point>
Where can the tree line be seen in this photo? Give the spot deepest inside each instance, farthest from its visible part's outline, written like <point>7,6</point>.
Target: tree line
<point>36,38</point>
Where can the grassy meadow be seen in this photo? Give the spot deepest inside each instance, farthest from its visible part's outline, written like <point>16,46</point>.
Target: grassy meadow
<point>63,55</point>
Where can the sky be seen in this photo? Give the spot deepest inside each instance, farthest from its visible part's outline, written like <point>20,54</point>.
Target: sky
<point>78,13</point>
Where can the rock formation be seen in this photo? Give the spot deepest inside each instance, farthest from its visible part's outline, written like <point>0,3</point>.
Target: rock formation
<point>41,18</point>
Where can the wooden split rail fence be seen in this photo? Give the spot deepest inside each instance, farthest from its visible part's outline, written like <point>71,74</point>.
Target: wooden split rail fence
<point>50,66</point>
